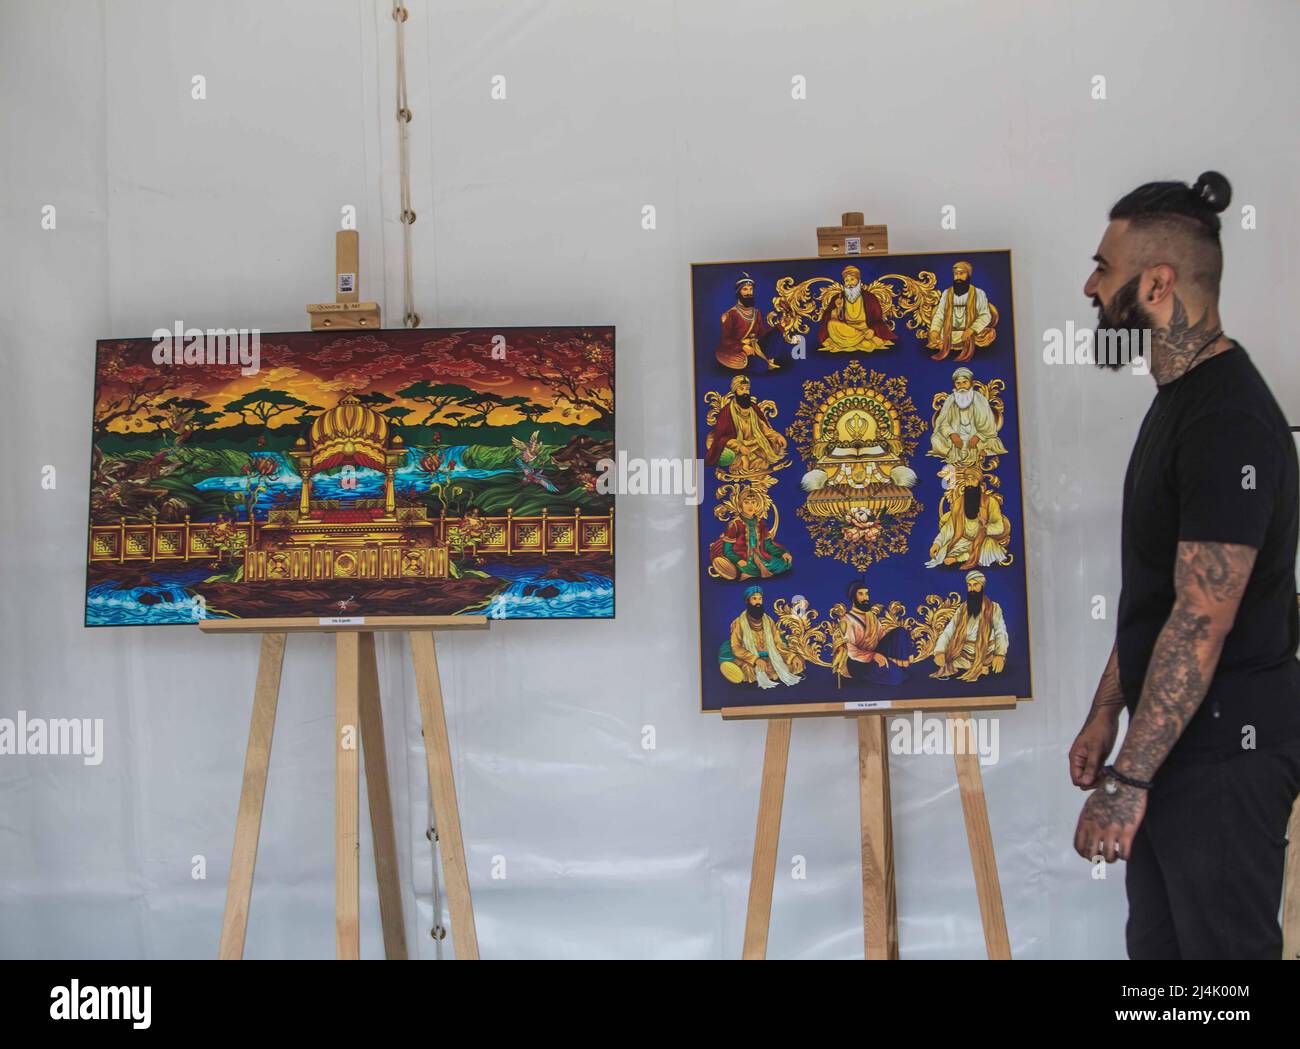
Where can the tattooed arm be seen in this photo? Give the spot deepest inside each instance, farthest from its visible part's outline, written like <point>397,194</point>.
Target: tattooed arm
<point>1209,579</point>
<point>1096,739</point>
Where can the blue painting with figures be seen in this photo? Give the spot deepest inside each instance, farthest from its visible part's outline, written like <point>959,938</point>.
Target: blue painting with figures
<point>861,535</point>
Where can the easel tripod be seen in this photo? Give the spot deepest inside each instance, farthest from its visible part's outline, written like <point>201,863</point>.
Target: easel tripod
<point>879,904</point>
<point>357,711</point>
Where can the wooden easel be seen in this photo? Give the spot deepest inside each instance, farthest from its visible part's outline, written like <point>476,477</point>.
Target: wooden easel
<point>357,711</point>
<point>879,905</point>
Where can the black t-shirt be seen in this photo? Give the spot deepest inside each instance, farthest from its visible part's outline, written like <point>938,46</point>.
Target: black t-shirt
<point>1215,462</point>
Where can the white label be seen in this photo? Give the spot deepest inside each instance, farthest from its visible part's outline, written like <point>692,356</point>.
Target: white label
<point>852,245</point>
<point>870,704</point>
<point>347,283</point>
<point>342,620</point>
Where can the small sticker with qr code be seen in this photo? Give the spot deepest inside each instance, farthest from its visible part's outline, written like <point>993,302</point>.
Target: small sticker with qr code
<point>347,283</point>
<point>852,245</point>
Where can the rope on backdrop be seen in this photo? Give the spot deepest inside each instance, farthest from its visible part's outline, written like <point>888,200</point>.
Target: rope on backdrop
<point>409,317</point>
<point>412,320</point>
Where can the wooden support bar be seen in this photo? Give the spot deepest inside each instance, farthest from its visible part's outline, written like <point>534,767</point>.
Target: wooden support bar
<point>341,624</point>
<point>437,748</point>
<point>381,804</point>
<point>248,823</point>
<point>347,803</point>
<point>970,782</point>
<point>767,837</point>
<point>879,903</point>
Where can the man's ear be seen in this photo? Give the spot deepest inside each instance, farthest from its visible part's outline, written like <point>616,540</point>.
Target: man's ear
<point>1158,284</point>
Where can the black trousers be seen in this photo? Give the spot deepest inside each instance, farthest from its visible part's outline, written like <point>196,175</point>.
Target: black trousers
<point>1205,877</point>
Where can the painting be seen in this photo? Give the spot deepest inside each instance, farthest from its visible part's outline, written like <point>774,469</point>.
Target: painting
<point>861,539</point>
<point>351,474</point>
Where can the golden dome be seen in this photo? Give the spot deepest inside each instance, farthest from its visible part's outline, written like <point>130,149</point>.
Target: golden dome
<point>349,433</point>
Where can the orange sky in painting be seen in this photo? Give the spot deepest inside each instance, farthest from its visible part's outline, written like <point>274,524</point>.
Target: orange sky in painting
<point>320,368</point>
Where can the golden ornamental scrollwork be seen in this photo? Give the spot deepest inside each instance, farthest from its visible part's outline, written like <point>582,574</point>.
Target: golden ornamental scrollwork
<point>797,305</point>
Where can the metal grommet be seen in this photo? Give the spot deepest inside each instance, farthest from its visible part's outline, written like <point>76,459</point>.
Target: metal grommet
<point>431,834</point>
<point>400,14</point>
<point>412,320</point>
<point>438,932</point>
<point>408,216</point>
<point>404,114</point>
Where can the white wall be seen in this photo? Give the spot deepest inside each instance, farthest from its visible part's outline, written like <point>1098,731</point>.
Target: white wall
<point>221,212</point>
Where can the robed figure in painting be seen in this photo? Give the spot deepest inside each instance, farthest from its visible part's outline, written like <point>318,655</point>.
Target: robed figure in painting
<point>745,332</point>
<point>974,642</point>
<point>755,652</point>
<point>741,441</point>
<point>876,645</point>
<point>853,319</point>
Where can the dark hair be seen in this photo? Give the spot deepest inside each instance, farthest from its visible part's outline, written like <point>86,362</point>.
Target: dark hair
<point>1173,210</point>
<point>1201,202</point>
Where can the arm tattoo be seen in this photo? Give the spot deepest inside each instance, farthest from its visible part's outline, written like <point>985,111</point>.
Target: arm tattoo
<point>1109,695</point>
<point>1209,579</point>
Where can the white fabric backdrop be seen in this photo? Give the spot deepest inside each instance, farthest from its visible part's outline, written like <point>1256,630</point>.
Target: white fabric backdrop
<point>221,213</point>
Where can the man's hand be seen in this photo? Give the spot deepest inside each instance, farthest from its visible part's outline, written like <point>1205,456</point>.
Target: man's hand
<point>1092,746</point>
<point>956,440</point>
<point>1109,822</point>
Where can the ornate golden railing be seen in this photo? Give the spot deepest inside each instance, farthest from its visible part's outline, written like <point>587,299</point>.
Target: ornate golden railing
<point>544,533</point>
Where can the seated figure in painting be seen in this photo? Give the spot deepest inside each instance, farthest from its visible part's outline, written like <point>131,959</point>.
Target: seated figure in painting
<point>963,319</point>
<point>974,642</point>
<point>876,646</point>
<point>755,652</point>
<point>745,332</point>
<point>747,549</point>
<point>966,425</point>
<point>972,528</point>
<point>852,318</point>
<point>742,444</point>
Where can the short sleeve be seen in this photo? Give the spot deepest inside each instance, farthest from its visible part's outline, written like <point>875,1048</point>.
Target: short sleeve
<point>1227,467</point>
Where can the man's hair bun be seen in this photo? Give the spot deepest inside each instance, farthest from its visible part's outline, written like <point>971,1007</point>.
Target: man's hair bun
<point>1214,190</point>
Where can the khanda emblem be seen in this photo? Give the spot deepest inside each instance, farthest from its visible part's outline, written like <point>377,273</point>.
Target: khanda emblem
<point>855,432</point>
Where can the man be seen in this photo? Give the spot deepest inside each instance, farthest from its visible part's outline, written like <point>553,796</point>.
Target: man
<point>853,319</point>
<point>876,646</point>
<point>745,332</point>
<point>754,652</point>
<point>1204,658</point>
<point>963,318</point>
<point>742,442</point>
<point>973,532</point>
<point>975,641</point>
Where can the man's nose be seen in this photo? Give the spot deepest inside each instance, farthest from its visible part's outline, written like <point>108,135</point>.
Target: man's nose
<point>1090,287</point>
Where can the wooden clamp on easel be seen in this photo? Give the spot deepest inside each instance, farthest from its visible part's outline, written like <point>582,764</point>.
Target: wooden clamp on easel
<point>357,712</point>
<point>879,905</point>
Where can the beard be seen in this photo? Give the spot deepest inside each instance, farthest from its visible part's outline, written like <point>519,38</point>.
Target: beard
<point>964,398</point>
<point>744,399</point>
<point>960,287</point>
<point>1125,313</point>
<point>755,614</point>
<point>745,299</point>
<point>863,605</point>
<point>854,293</point>
<point>974,602</point>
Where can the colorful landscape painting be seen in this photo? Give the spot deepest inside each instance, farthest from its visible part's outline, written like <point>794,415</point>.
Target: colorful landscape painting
<point>353,474</point>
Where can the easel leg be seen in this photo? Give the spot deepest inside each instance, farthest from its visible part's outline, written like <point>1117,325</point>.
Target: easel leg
<point>347,803</point>
<point>437,748</point>
<point>879,902</point>
<point>248,824</point>
<point>970,782</point>
<point>767,836</point>
<point>381,804</point>
<point>1291,889</point>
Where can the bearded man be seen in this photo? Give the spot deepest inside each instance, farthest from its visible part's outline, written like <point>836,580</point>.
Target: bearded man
<point>974,642</point>
<point>742,442</point>
<point>876,645</point>
<point>853,319</point>
<point>963,319</point>
<point>755,653</point>
<point>746,333</point>
<point>965,428</point>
